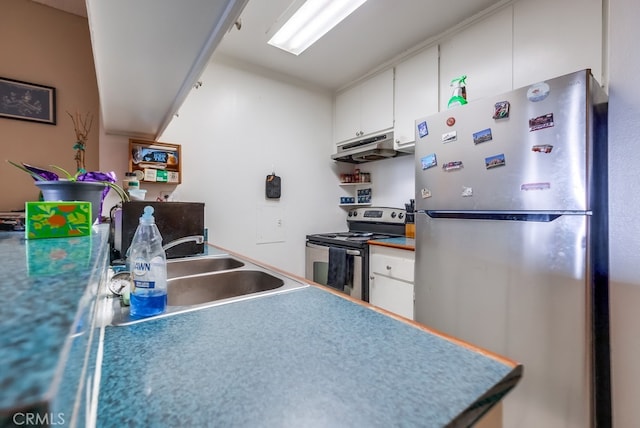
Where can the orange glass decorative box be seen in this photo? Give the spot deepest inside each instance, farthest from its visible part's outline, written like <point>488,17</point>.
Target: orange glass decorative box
<point>57,219</point>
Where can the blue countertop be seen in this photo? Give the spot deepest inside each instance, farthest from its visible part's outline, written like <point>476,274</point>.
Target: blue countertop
<point>307,357</point>
<point>301,359</point>
<point>48,287</point>
<point>401,242</point>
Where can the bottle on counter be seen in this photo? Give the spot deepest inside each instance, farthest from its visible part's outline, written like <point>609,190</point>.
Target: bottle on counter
<point>148,266</point>
<point>130,181</point>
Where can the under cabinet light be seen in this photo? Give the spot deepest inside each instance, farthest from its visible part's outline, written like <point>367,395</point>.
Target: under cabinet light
<point>310,22</point>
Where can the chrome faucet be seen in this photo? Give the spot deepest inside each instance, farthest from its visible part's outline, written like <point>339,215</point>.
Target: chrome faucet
<point>198,239</point>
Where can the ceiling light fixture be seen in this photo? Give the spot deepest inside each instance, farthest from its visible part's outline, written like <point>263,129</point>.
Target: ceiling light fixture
<point>311,21</point>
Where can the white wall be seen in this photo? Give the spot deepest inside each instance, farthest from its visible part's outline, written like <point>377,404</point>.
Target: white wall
<point>393,180</point>
<point>624,206</point>
<point>237,128</point>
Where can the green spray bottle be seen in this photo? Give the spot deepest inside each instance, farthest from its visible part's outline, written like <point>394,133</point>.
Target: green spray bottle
<point>459,93</point>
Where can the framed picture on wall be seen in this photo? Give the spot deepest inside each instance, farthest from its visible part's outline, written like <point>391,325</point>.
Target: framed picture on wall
<point>27,101</point>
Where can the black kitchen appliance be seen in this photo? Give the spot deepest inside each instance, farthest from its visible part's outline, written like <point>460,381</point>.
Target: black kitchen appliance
<point>364,224</point>
<point>175,220</point>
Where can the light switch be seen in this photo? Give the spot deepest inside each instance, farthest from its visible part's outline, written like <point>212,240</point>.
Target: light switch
<point>270,224</point>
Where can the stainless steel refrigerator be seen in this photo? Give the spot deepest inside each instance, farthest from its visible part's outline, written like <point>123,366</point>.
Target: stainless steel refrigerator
<point>511,242</point>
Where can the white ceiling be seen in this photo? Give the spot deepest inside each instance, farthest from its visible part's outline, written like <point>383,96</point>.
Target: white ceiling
<point>148,54</point>
<point>375,34</point>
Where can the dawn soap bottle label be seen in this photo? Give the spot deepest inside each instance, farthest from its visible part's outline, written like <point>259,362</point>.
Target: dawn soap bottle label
<point>149,297</point>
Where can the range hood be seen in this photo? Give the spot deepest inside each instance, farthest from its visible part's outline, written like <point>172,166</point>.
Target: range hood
<point>366,150</point>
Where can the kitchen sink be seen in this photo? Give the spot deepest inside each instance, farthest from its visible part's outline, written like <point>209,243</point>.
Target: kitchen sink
<point>203,282</point>
<point>193,266</point>
<point>195,290</point>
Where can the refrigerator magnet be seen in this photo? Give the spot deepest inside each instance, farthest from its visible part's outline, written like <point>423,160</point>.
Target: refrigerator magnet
<point>451,121</point>
<point>467,192</point>
<point>423,130</point>
<point>494,161</point>
<point>451,166</point>
<point>538,92</point>
<point>542,148</point>
<point>425,193</point>
<point>535,186</point>
<point>501,110</point>
<point>429,161</point>
<point>541,122</point>
<point>482,136</point>
<point>449,137</point>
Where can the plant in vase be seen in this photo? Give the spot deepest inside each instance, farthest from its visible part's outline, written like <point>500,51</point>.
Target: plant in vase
<point>91,186</point>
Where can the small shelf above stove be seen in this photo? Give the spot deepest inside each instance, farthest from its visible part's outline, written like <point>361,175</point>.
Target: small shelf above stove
<point>355,205</point>
<point>359,194</point>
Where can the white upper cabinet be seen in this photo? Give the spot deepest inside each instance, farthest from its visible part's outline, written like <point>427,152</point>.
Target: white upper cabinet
<point>347,114</point>
<point>149,54</point>
<point>567,37</point>
<point>416,95</point>
<point>365,109</point>
<point>482,52</point>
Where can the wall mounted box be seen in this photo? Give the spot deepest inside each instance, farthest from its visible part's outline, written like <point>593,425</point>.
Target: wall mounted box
<point>57,219</point>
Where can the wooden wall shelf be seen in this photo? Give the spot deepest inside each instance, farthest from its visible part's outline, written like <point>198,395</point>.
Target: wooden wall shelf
<point>155,162</point>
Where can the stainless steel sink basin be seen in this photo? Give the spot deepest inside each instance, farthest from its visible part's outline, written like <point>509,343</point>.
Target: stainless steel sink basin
<point>195,290</point>
<point>203,282</point>
<point>194,266</point>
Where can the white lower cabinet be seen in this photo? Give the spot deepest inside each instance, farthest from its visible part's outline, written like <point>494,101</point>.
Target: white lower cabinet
<point>391,279</point>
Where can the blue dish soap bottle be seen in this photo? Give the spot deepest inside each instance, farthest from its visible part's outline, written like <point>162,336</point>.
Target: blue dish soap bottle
<point>148,266</point>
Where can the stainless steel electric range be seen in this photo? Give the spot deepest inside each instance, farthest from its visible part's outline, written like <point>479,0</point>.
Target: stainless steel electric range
<point>341,259</point>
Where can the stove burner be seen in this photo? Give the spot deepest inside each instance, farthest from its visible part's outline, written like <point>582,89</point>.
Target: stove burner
<point>360,238</point>
<point>354,237</point>
<point>348,235</point>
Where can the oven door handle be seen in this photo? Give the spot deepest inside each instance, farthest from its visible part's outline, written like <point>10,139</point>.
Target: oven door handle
<point>322,247</point>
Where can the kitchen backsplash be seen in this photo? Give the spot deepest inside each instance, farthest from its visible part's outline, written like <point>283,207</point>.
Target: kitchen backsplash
<point>392,180</point>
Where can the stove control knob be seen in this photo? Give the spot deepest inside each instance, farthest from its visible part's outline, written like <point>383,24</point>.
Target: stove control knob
<point>350,213</point>
<point>355,213</point>
<point>393,214</point>
<point>400,216</point>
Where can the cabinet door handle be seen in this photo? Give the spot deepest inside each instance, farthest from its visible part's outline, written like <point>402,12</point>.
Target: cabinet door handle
<point>388,267</point>
<point>372,277</point>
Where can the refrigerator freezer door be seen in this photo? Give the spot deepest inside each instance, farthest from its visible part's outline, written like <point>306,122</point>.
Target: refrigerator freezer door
<point>537,158</point>
<point>518,289</point>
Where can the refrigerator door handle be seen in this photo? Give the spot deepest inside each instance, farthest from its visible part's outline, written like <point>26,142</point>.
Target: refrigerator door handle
<point>544,217</point>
